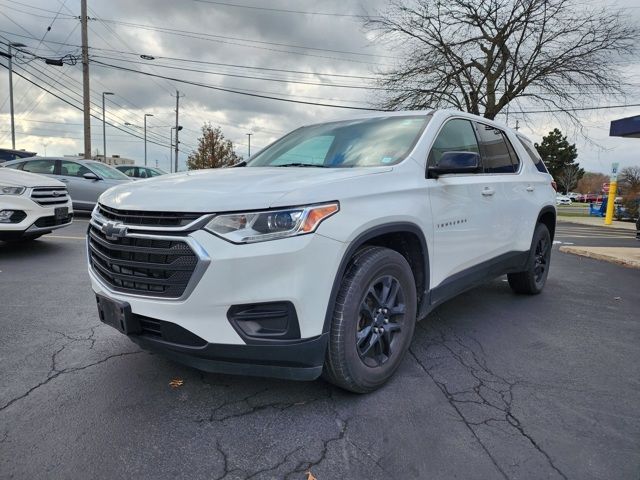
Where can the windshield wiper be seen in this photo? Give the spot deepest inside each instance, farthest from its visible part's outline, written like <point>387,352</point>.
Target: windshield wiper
<point>302,165</point>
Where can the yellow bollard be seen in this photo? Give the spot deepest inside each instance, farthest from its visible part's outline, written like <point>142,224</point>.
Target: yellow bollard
<point>611,200</point>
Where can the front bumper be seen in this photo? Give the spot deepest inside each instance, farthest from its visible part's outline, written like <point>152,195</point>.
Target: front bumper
<point>299,270</point>
<point>302,360</point>
<point>39,219</point>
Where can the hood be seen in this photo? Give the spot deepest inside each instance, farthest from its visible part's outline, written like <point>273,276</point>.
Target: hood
<point>18,178</point>
<point>227,189</point>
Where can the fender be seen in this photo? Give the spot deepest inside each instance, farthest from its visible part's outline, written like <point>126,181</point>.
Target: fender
<point>383,229</point>
<point>552,211</point>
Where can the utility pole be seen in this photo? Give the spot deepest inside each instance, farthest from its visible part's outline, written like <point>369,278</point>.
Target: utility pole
<point>249,137</point>
<point>86,92</point>
<point>177,127</point>
<point>145,136</point>
<point>171,148</point>
<point>13,126</point>
<point>104,128</point>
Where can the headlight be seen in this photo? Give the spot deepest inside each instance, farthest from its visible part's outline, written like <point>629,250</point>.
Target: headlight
<point>11,190</point>
<point>270,224</point>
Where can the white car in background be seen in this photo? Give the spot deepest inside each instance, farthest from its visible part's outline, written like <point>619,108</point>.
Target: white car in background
<point>563,200</point>
<point>31,205</point>
<point>573,196</point>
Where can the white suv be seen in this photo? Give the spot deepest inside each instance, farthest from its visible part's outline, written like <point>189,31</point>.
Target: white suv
<point>319,253</point>
<point>31,205</point>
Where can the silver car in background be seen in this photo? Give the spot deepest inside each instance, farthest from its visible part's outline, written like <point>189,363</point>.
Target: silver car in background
<point>86,180</point>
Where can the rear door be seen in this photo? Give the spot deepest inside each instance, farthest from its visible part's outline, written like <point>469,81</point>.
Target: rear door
<point>502,183</point>
<point>461,208</point>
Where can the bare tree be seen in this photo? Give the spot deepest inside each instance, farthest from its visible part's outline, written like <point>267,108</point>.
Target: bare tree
<point>480,55</point>
<point>630,177</point>
<point>568,177</point>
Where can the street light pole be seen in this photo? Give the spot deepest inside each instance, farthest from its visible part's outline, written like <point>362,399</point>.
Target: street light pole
<point>249,137</point>
<point>145,136</point>
<point>13,126</point>
<point>171,150</point>
<point>104,129</point>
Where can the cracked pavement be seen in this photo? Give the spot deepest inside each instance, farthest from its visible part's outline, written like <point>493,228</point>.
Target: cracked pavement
<point>494,386</point>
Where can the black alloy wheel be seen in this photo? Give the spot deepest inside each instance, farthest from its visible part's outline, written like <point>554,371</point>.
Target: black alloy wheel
<point>382,313</point>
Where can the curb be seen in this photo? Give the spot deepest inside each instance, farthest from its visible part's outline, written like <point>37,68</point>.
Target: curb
<point>590,252</point>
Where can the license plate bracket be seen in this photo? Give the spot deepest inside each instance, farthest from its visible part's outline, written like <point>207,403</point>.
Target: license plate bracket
<point>117,315</point>
<point>61,213</point>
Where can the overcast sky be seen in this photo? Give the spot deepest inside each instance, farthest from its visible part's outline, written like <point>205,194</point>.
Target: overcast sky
<point>331,41</point>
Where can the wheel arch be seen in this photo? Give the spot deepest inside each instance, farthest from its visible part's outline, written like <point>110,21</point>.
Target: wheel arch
<point>403,237</point>
<point>547,216</point>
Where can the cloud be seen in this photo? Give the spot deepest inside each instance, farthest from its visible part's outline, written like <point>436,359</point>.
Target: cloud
<point>290,42</point>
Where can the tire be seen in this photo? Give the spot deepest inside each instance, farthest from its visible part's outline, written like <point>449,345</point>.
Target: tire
<point>371,327</point>
<point>532,280</point>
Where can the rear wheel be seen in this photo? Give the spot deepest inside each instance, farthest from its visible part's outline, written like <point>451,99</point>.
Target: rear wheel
<point>373,320</point>
<point>532,280</point>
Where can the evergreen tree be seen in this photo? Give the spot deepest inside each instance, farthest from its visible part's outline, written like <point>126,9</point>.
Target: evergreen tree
<point>214,151</point>
<point>558,154</point>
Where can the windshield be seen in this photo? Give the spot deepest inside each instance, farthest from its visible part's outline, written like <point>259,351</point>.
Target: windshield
<point>105,171</point>
<point>370,142</point>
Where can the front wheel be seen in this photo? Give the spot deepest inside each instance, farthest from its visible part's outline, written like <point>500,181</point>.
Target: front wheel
<point>532,280</point>
<point>373,320</point>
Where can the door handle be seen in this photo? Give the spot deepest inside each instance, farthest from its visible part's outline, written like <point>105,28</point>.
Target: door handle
<point>488,191</point>
<point>530,188</point>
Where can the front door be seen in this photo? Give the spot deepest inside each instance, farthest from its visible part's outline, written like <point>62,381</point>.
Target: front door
<point>462,209</point>
<point>82,190</point>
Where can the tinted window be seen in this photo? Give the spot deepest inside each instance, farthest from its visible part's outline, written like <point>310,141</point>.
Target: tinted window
<point>72,169</point>
<point>105,171</point>
<point>40,166</point>
<point>455,136</point>
<point>512,153</point>
<point>368,142</point>
<point>534,155</point>
<point>154,172</point>
<point>129,171</point>
<point>16,166</point>
<point>495,152</point>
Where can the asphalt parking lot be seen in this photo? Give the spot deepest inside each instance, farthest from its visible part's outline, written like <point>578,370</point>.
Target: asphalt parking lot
<point>495,386</point>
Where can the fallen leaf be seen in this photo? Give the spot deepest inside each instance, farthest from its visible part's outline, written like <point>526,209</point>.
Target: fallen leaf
<point>176,382</point>
<point>310,475</point>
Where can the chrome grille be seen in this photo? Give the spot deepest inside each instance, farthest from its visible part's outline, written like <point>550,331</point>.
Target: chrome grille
<point>141,264</point>
<point>50,196</point>
<point>151,219</point>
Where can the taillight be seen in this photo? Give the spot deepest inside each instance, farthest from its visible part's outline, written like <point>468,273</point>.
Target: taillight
<point>554,185</point>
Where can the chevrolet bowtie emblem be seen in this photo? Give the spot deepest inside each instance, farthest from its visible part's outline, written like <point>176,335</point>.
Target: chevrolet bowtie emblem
<point>114,230</point>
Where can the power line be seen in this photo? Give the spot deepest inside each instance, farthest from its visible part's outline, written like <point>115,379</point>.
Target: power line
<point>80,108</point>
<point>96,106</point>
<point>213,87</point>
<point>216,38</point>
<point>578,109</point>
<point>35,8</point>
<point>250,77</point>
<point>204,62</point>
<point>281,10</point>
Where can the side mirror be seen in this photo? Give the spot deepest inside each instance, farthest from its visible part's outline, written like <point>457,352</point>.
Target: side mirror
<point>91,176</point>
<point>455,162</point>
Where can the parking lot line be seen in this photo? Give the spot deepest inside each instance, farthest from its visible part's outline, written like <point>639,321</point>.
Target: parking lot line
<point>65,237</point>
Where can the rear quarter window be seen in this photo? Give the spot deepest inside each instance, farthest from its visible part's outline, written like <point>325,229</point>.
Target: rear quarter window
<point>533,154</point>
